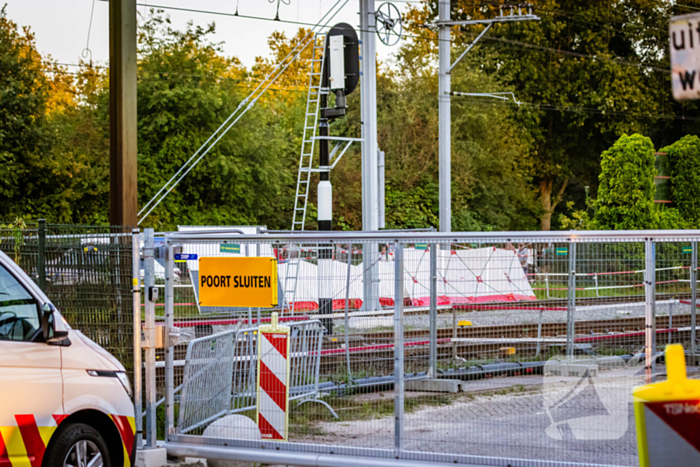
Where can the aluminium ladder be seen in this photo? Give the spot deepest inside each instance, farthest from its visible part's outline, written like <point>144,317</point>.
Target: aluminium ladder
<point>310,126</point>
<point>306,158</point>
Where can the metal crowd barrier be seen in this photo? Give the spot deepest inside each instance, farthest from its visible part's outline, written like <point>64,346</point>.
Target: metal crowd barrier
<point>220,373</point>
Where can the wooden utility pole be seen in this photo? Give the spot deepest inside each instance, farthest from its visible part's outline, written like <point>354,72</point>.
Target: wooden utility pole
<point>123,207</point>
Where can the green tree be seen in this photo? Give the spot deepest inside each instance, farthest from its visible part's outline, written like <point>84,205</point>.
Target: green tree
<point>626,192</point>
<point>586,73</point>
<point>491,174</point>
<point>187,88</point>
<point>683,158</point>
<point>53,146</point>
<point>23,96</point>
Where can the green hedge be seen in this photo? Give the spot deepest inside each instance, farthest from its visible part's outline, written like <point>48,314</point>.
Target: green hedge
<point>626,192</point>
<point>683,159</point>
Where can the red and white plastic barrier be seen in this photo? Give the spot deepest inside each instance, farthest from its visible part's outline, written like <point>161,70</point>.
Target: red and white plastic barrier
<point>273,381</point>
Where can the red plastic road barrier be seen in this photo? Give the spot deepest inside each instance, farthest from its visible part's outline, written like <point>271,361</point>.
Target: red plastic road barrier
<point>687,302</point>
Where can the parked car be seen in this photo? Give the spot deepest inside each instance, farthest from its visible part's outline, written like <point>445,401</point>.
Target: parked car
<point>64,400</point>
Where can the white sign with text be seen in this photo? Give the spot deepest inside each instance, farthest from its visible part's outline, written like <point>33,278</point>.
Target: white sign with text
<point>684,38</point>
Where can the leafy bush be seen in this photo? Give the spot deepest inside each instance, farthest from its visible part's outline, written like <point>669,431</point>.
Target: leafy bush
<point>683,159</point>
<point>671,218</point>
<point>626,191</point>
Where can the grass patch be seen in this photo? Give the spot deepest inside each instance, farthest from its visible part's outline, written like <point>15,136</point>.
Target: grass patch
<point>350,409</point>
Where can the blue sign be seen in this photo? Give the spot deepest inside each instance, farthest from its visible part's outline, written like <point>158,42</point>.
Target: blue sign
<point>185,257</point>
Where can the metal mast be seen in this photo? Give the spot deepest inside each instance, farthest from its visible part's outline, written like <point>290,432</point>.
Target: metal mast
<point>370,188</point>
<point>445,69</point>
<point>445,116</point>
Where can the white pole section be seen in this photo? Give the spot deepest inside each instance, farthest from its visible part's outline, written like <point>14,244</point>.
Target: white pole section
<point>370,206</point>
<point>370,188</point>
<point>445,117</point>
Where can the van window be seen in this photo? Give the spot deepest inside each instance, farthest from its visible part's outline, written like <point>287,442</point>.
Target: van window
<point>19,311</point>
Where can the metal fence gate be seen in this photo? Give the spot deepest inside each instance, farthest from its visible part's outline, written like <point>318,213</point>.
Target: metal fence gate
<point>515,349</point>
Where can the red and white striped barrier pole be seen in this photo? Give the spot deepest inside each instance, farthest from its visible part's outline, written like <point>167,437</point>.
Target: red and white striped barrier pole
<point>273,381</point>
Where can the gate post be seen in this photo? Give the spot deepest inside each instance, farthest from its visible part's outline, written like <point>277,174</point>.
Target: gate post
<point>650,307</point>
<point>571,308</point>
<point>398,348</point>
<point>433,311</point>
<point>693,299</point>
<point>41,256</point>
<point>150,335</point>
<point>136,291</point>
<point>169,347</point>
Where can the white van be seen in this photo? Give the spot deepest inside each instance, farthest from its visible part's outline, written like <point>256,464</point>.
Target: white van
<point>64,400</point>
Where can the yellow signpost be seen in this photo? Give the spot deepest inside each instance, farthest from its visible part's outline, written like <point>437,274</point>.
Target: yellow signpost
<point>238,282</point>
<point>667,415</point>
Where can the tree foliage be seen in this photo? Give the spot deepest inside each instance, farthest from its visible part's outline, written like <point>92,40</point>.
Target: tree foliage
<point>683,158</point>
<point>586,73</point>
<point>186,90</point>
<point>626,191</point>
<point>53,147</point>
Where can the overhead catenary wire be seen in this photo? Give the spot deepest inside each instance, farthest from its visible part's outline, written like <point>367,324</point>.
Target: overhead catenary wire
<point>521,44</point>
<point>240,110</point>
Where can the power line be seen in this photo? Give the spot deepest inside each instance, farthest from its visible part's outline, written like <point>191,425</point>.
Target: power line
<point>219,13</point>
<point>242,84</point>
<point>417,37</point>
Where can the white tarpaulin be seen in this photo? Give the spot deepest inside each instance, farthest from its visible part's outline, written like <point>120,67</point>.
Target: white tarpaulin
<point>464,276</point>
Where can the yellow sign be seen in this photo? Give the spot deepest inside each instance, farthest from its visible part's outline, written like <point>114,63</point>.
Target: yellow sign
<point>239,282</point>
<point>668,415</point>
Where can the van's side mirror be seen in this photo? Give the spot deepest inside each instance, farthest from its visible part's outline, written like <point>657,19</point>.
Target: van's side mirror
<point>48,326</point>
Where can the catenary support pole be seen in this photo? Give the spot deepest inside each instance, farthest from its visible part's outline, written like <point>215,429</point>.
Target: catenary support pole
<point>370,202</point>
<point>149,283</point>
<point>444,92</point>
<point>136,292</point>
<point>398,350</point>
<point>445,176</point>
<point>169,347</point>
<point>122,113</point>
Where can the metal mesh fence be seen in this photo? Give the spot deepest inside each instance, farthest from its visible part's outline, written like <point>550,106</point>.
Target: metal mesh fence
<point>476,348</point>
<point>86,271</point>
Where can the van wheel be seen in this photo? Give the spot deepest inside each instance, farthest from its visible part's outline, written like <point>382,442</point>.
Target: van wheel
<point>78,445</point>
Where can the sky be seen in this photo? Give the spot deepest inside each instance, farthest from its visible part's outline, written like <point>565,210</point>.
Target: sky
<point>62,26</point>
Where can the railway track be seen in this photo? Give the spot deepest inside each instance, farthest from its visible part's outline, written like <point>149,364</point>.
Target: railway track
<point>373,352</point>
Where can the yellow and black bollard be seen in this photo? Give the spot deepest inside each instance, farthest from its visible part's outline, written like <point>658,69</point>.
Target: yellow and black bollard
<point>667,415</point>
